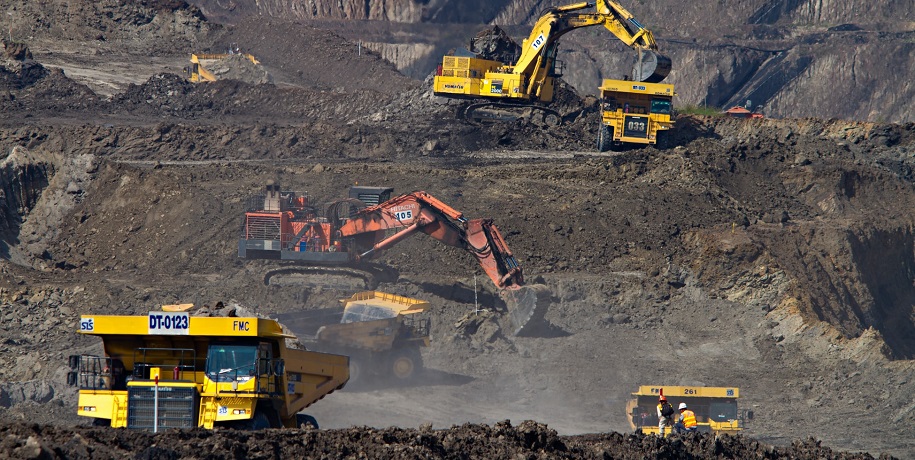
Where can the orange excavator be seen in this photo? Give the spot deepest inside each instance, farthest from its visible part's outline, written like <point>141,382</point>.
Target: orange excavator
<point>287,226</point>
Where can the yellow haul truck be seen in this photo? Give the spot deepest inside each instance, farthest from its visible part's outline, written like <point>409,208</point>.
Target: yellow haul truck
<point>382,334</point>
<point>715,408</point>
<point>169,369</point>
<point>634,112</point>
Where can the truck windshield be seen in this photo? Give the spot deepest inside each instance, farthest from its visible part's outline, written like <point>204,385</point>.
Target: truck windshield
<point>226,363</point>
<point>660,106</point>
<point>723,411</point>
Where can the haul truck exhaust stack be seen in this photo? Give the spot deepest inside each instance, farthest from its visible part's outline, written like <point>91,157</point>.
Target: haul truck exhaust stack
<point>173,370</point>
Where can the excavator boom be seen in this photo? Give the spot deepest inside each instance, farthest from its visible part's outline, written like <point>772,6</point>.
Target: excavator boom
<point>421,212</point>
<point>651,66</point>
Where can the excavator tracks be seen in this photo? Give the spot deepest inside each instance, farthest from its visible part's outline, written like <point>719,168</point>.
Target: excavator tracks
<point>325,276</point>
<point>486,112</point>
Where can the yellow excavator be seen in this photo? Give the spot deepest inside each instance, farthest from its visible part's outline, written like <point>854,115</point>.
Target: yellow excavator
<point>499,89</point>
<point>197,71</point>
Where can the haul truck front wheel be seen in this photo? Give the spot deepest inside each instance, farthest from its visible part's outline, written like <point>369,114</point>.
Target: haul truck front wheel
<point>604,138</point>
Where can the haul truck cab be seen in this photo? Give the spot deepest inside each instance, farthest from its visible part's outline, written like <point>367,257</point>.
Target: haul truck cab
<point>715,408</point>
<point>174,370</point>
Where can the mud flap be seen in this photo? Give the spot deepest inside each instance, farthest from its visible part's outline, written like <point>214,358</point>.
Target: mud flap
<point>527,306</point>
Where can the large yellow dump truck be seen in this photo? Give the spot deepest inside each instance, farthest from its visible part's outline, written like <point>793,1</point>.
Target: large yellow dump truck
<point>715,407</point>
<point>382,333</point>
<point>634,112</point>
<point>170,369</point>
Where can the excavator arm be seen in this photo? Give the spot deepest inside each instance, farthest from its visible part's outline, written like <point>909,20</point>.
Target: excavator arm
<point>386,224</point>
<point>538,49</point>
<point>379,227</point>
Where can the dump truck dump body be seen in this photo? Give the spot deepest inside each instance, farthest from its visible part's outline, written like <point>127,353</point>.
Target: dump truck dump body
<point>171,369</point>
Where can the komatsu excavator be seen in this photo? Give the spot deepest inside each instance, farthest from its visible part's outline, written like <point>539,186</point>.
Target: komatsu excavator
<point>286,226</point>
<point>528,83</point>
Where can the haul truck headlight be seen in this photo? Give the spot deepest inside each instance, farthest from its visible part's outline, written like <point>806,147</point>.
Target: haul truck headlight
<point>89,409</point>
<point>239,412</point>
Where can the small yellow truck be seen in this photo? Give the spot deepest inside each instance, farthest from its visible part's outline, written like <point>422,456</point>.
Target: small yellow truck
<point>715,408</point>
<point>170,369</point>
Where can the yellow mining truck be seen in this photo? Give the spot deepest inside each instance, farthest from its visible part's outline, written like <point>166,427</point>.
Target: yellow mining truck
<point>715,408</point>
<point>381,332</point>
<point>635,113</point>
<point>170,369</point>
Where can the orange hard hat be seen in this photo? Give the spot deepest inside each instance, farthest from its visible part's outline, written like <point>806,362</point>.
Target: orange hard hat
<point>662,398</point>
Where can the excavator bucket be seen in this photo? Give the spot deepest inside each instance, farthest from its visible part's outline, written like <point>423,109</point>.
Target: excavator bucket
<point>527,306</point>
<point>651,67</point>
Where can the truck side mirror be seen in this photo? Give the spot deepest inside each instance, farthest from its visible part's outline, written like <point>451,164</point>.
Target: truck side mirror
<point>279,368</point>
<point>74,362</point>
<point>750,414</point>
<point>71,378</point>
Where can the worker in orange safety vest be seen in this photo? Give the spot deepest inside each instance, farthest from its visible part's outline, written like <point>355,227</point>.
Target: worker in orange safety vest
<point>687,423</point>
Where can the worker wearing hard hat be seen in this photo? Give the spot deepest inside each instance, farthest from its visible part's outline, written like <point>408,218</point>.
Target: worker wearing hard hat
<point>687,423</point>
<point>665,415</point>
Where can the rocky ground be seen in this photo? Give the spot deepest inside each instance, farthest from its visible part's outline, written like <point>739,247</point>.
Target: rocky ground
<point>772,255</point>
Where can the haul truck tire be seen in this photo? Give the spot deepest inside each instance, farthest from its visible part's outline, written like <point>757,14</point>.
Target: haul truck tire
<point>604,138</point>
<point>356,372</point>
<point>260,421</point>
<point>405,363</point>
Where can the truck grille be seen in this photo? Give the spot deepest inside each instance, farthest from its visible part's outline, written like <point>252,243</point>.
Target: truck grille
<point>635,126</point>
<point>177,407</point>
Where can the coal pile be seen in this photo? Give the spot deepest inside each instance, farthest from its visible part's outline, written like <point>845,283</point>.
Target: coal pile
<point>528,440</point>
<point>239,67</point>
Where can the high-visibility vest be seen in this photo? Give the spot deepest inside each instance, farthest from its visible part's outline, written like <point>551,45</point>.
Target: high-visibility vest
<point>689,418</point>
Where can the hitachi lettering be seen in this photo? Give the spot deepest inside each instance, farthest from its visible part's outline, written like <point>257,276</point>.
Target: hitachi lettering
<point>169,323</point>
<point>241,326</point>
